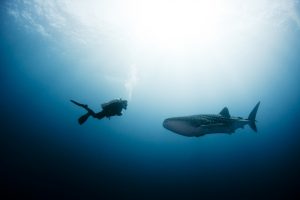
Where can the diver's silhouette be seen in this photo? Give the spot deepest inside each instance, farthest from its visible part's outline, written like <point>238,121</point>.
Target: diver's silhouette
<point>111,108</point>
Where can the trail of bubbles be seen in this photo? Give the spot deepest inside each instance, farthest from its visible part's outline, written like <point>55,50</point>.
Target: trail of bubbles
<point>132,81</point>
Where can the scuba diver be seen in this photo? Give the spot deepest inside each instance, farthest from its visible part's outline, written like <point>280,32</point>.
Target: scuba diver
<point>111,108</point>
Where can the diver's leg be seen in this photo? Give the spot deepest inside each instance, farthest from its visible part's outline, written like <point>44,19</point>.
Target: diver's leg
<point>84,117</point>
<point>100,115</point>
<point>90,111</point>
<point>79,104</point>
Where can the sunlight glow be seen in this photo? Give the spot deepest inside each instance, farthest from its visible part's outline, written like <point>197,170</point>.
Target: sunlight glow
<point>172,24</point>
<point>205,49</point>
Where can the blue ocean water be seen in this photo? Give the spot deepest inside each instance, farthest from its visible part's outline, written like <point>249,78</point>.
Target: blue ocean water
<point>47,154</point>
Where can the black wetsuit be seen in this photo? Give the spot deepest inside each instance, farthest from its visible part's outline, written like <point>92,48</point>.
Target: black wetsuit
<point>111,108</point>
<point>114,108</point>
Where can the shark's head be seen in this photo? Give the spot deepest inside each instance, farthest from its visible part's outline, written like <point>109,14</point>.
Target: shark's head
<point>180,126</point>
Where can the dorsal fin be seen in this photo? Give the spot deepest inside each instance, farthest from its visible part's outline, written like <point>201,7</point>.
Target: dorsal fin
<point>225,112</point>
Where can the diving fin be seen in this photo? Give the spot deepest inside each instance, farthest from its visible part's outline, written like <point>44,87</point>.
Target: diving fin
<point>83,118</point>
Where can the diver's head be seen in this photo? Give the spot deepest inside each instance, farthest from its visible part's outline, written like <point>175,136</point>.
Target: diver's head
<point>124,104</point>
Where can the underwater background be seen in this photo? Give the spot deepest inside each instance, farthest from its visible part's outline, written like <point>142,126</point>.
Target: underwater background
<point>167,58</point>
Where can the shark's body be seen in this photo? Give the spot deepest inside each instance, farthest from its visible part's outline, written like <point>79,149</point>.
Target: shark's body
<point>199,125</point>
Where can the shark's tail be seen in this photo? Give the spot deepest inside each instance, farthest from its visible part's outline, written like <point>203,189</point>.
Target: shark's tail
<point>252,117</point>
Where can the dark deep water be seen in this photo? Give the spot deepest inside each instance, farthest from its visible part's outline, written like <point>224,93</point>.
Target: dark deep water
<point>45,154</point>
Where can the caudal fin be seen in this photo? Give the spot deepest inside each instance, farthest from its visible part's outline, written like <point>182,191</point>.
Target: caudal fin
<point>252,117</point>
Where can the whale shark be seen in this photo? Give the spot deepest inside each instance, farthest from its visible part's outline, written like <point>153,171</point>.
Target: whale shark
<point>199,125</point>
